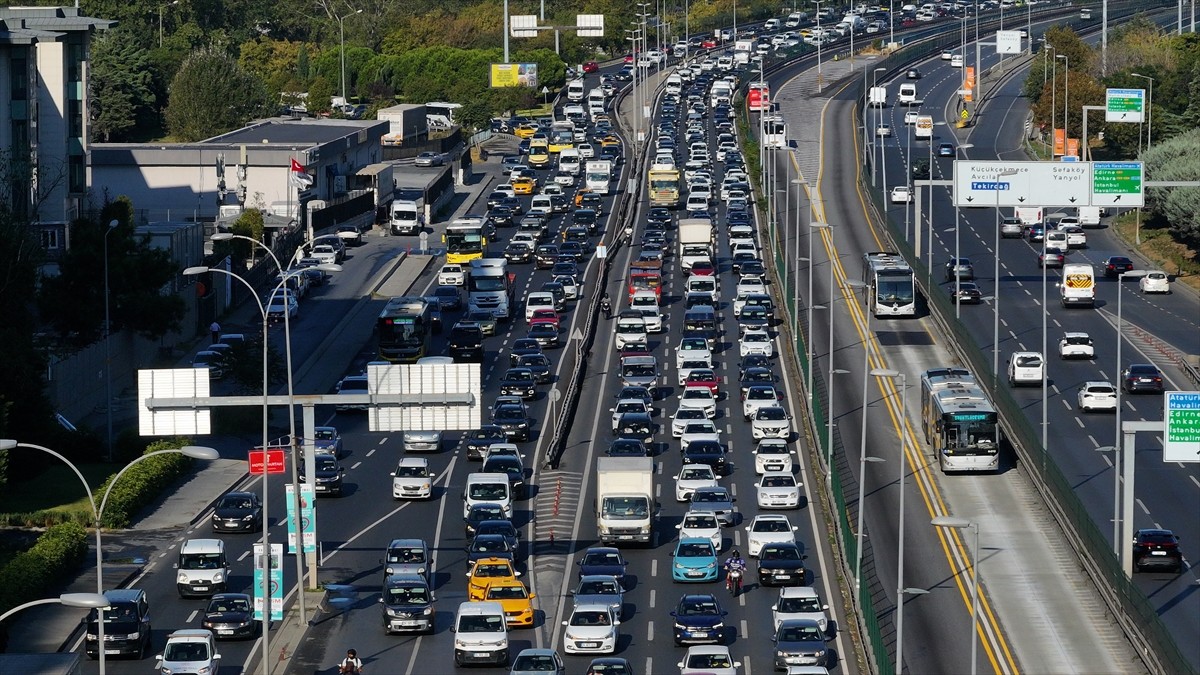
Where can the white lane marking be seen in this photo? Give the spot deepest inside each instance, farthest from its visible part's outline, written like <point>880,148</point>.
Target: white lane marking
<point>192,616</point>
<point>745,634</point>
<point>1197,482</point>
<point>371,452</point>
<point>653,567</point>
<point>652,598</point>
<point>355,465</point>
<point>243,555</point>
<point>649,631</point>
<point>1142,506</point>
<point>1078,421</point>
<point>649,664</point>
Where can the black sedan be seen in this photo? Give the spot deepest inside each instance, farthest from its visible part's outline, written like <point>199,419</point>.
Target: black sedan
<point>513,420</point>
<point>489,546</point>
<point>545,334</point>
<point>539,365</point>
<point>605,560</point>
<point>627,447</point>
<point>448,297</point>
<point>329,475</point>
<point>1142,377</point>
<point>499,526</point>
<point>518,253</point>
<point>518,382</point>
<point>230,615</point>
<point>521,348</point>
<point>968,293</point>
<point>781,564</point>
<point>238,512</point>
<point>479,440</point>
<point>481,514</point>
<point>1117,265</point>
<point>711,453</point>
<point>699,619</point>
<point>636,426</point>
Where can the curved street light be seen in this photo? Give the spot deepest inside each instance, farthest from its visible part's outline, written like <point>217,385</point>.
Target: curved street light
<point>85,600</point>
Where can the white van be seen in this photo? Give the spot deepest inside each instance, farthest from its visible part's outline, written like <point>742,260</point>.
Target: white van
<point>480,634</point>
<point>908,94</point>
<point>487,488</point>
<point>570,161</point>
<point>596,101</point>
<point>1056,240</point>
<point>406,217</point>
<point>674,84</point>
<point>575,90</point>
<point>541,203</point>
<point>1026,368</point>
<point>703,284</point>
<point>202,569</point>
<point>575,113</point>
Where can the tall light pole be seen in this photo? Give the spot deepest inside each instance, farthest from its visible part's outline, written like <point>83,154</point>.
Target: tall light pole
<point>889,373</point>
<point>112,225</point>
<point>862,441</point>
<point>860,534</point>
<point>342,56</point>
<point>1117,455</point>
<point>996,292</point>
<point>193,451</point>
<point>961,524</point>
<point>1053,104</point>
<point>1116,519</point>
<point>957,250</point>
<point>820,41</point>
<point>1149,109</point>
<point>1066,95</point>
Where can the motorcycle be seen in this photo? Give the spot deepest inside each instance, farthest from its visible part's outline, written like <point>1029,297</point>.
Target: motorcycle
<point>733,581</point>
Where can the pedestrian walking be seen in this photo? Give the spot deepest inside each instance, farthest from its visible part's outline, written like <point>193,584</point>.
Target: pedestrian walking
<point>215,329</point>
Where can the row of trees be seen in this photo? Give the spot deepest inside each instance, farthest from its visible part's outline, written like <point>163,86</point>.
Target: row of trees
<point>250,54</point>
<point>1058,87</point>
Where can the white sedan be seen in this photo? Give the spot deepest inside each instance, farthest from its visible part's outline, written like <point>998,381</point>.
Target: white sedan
<point>683,417</point>
<point>772,455</point>
<point>704,430</point>
<point>592,629</point>
<point>701,525</point>
<point>708,660</point>
<point>1076,345</point>
<point>701,398</point>
<point>691,478</point>
<point>1097,395</point>
<point>766,529</point>
<point>883,130</point>
<point>777,490</point>
<point>910,117</point>
<point>901,194</point>
<point>756,342</point>
<point>1155,282</point>
<point>800,602</point>
<point>452,275</point>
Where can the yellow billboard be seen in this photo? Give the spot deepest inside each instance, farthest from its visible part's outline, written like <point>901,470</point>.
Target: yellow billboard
<point>514,75</point>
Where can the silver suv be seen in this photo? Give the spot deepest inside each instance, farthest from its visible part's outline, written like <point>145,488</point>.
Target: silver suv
<point>1011,227</point>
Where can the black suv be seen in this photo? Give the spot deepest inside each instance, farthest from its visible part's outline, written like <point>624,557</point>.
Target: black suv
<point>126,625</point>
<point>699,619</point>
<point>407,604</point>
<point>1156,548</point>
<point>466,343</point>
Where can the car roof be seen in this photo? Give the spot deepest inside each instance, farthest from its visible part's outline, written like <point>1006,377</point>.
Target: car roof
<point>798,592</point>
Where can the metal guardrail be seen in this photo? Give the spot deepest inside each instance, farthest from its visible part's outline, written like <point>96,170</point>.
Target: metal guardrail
<point>1137,616</point>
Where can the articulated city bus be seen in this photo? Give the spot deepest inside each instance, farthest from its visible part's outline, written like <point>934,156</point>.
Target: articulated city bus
<point>959,421</point>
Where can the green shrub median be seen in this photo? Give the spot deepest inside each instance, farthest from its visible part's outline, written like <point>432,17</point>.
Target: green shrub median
<point>34,574</point>
<point>142,483</point>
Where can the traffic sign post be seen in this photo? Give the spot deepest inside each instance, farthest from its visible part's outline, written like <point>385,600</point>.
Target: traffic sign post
<point>1033,184</point>
<point>1124,105</point>
<point>1117,184</point>
<point>1181,442</point>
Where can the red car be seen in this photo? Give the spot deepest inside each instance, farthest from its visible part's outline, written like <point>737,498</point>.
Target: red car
<point>629,58</point>
<point>704,268</point>
<point>709,43</point>
<point>704,377</point>
<point>591,67</point>
<point>544,316</point>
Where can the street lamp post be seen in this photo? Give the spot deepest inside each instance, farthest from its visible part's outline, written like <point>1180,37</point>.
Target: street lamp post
<point>996,292</point>
<point>193,451</point>
<point>891,374</point>
<point>1053,103</point>
<point>1116,519</point>
<point>1117,456</point>
<point>1149,109</point>
<point>160,20</point>
<point>960,524</point>
<point>957,251</point>
<point>862,441</point>
<point>112,225</point>
<point>863,460</point>
<point>1066,96</point>
<point>95,601</point>
<point>874,135</point>
<point>342,55</point>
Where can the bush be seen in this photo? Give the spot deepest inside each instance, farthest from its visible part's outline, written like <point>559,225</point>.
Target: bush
<point>33,574</point>
<point>142,483</point>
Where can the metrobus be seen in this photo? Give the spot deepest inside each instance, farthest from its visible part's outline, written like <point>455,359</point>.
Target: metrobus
<point>562,136</point>
<point>758,97</point>
<point>959,421</point>
<point>774,131</point>
<point>405,327</point>
<point>891,288</point>
<point>465,240</point>
<point>663,180</point>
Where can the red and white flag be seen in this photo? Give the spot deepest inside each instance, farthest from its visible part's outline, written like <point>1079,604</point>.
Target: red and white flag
<point>298,177</point>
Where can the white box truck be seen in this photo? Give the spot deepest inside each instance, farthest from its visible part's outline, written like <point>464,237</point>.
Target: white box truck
<point>597,175</point>
<point>1089,216</point>
<point>625,504</point>
<point>695,241</point>
<point>406,124</point>
<point>1078,287</point>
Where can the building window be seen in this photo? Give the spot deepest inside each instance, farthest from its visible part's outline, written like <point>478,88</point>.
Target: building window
<point>20,79</point>
<point>75,59</point>
<point>76,174</point>
<point>50,239</point>
<point>75,118</point>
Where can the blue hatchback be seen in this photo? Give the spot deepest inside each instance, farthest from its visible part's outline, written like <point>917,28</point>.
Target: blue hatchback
<point>695,560</point>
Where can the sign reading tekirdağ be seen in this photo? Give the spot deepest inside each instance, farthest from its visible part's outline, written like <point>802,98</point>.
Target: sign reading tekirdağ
<point>1181,411</point>
<point>979,183</point>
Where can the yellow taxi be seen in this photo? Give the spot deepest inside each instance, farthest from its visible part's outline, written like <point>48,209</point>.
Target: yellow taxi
<point>523,185</point>
<point>579,196</point>
<point>526,130</point>
<point>488,571</point>
<point>514,598</point>
<point>610,140</point>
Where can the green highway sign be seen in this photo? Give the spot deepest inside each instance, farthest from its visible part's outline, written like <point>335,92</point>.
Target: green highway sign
<point>1181,411</point>
<point>1117,184</point>
<point>1124,105</point>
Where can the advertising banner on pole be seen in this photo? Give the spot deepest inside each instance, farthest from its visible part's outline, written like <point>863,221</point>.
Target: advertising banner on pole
<point>514,75</point>
<point>308,518</point>
<point>969,84</point>
<point>1060,142</point>
<point>272,584</point>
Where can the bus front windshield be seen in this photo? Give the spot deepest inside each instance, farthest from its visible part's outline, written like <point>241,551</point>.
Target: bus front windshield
<point>464,241</point>
<point>895,291</point>
<point>402,333</point>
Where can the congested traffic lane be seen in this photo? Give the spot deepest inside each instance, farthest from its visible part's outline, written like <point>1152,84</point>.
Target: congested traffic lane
<point>1071,434</point>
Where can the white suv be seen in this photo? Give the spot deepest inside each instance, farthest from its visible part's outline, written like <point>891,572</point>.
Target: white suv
<point>1076,345</point>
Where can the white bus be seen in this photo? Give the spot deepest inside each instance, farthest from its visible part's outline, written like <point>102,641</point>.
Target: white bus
<point>774,131</point>
<point>959,421</point>
<point>891,289</point>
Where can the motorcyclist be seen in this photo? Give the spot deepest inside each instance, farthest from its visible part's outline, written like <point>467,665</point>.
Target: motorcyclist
<point>606,305</point>
<point>735,566</point>
<point>351,665</point>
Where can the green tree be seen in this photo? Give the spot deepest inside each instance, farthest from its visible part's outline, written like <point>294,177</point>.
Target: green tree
<point>73,301</point>
<point>320,92</point>
<point>1177,158</point>
<point>120,86</point>
<point>211,94</point>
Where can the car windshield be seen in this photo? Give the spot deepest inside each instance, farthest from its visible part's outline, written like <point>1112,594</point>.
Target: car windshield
<point>408,595</point>
<point>778,481</point>
<point>186,651</point>
<point>507,592</point>
<point>697,607</point>
<point>689,550</point>
<point>710,496</point>
<point>602,558</point>
<point>223,605</point>
<point>490,623</point>
<point>597,588</point>
<point>234,503</point>
<point>709,661</point>
<point>779,553</point>
<point>488,491</point>
<point>799,633</point>
<point>699,522</point>
<point>487,512</point>
<point>798,605</point>
<point>489,545</point>
<point>484,569</point>
<point>771,525</point>
<point>325,435</point>
<point>200,561</point>
<point>411,472</point>
<point>406,555</point>
<point>772,414</point>
<point>760,394</point>
<point>590,618</point>
<point>535,663</point>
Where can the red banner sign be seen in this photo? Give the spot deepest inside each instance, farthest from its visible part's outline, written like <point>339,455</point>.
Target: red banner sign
<point>271,461</point>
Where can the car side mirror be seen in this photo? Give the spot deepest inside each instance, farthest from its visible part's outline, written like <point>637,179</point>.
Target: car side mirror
<point>564,623</point>
<point>216,657</point>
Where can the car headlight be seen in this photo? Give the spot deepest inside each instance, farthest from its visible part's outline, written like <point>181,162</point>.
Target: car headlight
<point>218,577</point>
<point>710,565</point>
<point>248,518</point>
<point>679,566</point>
<point>425,486</point>
<point>420,570</point>
<point>132,636</point>
<point>427,612</point>
<point>165,671</point>
<point>91,637</point>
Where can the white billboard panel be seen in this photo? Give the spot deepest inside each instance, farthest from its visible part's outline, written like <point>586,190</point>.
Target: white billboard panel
<point>173,383</point>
